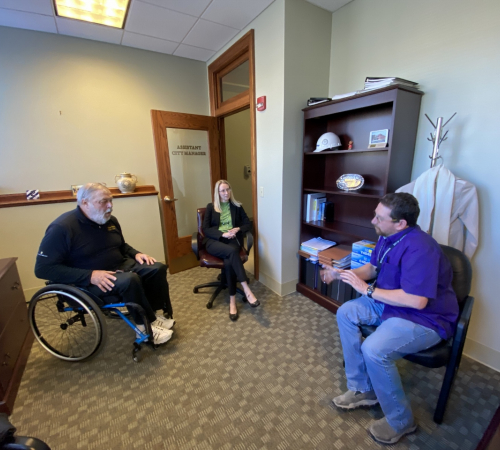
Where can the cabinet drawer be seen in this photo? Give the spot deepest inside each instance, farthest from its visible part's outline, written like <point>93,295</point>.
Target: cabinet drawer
<point>11,294</point>
<point>11,341</point>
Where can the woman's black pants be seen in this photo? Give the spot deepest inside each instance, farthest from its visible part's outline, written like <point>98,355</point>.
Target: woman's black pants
<point>229,251</point>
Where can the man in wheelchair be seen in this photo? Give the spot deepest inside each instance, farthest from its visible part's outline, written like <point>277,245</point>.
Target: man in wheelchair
<point>85,247</point>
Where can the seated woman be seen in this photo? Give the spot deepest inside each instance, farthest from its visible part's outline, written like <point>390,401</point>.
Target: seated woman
<point>224,224</point>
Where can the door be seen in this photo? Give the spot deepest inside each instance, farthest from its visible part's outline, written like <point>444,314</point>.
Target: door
<point>189,164</point>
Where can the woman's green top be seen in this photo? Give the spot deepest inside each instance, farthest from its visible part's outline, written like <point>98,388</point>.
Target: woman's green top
<point>226,223</point>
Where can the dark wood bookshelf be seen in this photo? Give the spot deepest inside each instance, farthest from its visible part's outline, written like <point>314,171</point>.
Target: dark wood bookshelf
<point>395,108</point>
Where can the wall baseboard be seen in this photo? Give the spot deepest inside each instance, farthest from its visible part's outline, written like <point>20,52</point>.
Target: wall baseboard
<point>276,286</point>
<point>482,354</point>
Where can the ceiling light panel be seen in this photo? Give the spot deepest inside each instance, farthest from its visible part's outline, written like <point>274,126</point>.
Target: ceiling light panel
<point>103,12</point>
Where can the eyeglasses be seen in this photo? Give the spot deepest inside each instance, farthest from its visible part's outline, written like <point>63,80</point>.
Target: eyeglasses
<point>221,191</point>
<point>383,219</point>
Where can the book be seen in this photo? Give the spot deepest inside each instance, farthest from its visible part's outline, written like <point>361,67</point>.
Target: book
<point>337,253</point>
<point>377,83</point>
<point>391,79</point>
<point>315,100</point>
<point>317,210</point>
<point>363,247</point>
<point>315,245</point>
<point>308,205</point>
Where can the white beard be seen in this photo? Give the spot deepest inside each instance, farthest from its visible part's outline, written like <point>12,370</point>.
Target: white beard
<point>100,218</point>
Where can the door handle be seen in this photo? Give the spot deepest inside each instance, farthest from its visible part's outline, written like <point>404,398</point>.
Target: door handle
<point>168,199</point>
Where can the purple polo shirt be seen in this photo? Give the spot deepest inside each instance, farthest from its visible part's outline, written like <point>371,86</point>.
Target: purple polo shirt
<point>418,266</point>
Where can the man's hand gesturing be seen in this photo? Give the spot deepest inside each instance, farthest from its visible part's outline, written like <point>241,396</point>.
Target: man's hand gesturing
<point>103,279</point>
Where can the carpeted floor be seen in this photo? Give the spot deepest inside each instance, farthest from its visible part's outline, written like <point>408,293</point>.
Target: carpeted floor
<point>263,382</point>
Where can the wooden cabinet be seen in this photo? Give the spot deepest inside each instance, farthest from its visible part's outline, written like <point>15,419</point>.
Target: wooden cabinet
<point>15,334</point>
<point>384,170</point>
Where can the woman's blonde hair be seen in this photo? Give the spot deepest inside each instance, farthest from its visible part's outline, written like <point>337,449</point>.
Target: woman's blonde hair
<point>217,196</point>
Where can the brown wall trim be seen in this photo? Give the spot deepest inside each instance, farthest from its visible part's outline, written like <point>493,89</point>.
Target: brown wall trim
<point>46,197</point>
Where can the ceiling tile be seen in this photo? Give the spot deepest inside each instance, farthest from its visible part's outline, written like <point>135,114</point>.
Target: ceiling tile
<point>34,6</point>
<point>329,5</point>
<point>187,51</point>
<point>148,43</point>
<point>191,7</point>
<point>151,20</point>
<point>235,13</point>
<point>87,30</point>
<point>26,20</point>
<point>209,35</point>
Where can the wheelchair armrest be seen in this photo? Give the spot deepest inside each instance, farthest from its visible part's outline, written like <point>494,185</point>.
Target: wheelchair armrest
<point>194,245</point>
<point>249,239</point>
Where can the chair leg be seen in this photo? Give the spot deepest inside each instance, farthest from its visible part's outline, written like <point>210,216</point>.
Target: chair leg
<point>220,287</point>
<point>449,376</point>
<point>204,285</point>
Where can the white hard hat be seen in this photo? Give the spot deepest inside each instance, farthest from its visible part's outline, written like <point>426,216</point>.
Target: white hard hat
<point>328,141</point>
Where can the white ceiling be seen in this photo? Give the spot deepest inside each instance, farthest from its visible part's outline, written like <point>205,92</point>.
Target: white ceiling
<point>194,29</point>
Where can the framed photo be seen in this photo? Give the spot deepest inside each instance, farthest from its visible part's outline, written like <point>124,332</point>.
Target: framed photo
<point>378,139</point>
<point>74,188</point>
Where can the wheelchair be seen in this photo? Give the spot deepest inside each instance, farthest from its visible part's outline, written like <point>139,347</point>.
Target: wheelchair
<point>70,323</point>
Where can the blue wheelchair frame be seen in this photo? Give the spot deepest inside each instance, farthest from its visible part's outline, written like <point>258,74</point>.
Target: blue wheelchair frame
<point>55,300</point>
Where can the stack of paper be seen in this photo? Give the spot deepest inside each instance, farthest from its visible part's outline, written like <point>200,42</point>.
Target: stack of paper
<point>339,256</point>
<point>380,82</point>
<point>316,245</point>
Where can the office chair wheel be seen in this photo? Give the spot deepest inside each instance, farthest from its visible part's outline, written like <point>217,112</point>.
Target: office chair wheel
<point>209,305</point>
<point>195,290</point>
<point>67,322</point>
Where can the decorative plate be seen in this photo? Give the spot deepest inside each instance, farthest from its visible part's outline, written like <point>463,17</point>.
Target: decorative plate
<point>350,182</point>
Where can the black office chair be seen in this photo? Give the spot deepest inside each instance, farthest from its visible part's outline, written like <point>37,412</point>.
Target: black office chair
<point>212,262</point>
<point>447,353</point>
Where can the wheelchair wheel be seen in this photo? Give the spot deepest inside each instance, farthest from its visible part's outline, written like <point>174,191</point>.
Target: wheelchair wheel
<point>67,322</point>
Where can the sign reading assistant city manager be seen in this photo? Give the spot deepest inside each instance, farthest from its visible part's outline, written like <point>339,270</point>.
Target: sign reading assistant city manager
<point>188,150</point>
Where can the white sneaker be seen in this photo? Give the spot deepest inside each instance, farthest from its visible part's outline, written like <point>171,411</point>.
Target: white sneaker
<point>164,323</point>
<point>160,336</point>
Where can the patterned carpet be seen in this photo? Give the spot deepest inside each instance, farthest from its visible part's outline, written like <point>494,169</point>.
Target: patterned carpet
<point>263,382</point>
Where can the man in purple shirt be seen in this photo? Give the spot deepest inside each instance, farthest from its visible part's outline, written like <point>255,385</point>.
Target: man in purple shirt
<point>413,304</point>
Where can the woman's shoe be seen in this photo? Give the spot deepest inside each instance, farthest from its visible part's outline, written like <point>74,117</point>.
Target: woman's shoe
<point>254,304</point>
<point>233,317</point>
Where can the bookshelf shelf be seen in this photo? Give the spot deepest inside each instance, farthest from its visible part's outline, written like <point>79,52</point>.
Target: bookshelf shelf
<point>341,152</point>
<point>384,170</point>
<point>368,193</point>
<point>347,229</point>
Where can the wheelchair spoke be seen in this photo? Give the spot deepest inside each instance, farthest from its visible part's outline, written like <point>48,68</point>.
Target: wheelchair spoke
<point>67,324</point>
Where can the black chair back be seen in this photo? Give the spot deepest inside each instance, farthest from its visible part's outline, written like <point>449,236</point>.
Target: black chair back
<point>200,216</point>
<point>462,273</point>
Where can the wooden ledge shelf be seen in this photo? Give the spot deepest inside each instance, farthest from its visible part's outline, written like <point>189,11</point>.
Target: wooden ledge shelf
<point>46,197</point>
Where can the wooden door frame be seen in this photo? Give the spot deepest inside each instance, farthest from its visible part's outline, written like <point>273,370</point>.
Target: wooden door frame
<point>240,51</point>
<point>161,120</point>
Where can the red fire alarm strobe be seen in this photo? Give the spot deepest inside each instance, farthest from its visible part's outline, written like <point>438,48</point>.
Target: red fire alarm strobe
<point>261,103</point>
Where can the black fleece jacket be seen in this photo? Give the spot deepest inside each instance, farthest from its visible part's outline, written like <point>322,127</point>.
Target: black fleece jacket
<point>74,246</point>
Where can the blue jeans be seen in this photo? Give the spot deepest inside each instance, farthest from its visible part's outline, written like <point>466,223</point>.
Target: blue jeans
<point>371,364</point>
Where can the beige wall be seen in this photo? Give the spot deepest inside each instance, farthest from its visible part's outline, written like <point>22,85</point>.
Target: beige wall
<point>292,44</point>
<point>269,81</point>
<point>238,155</point>
<point>451,48</point>
<point>74,110</point>
<point>307,61</point>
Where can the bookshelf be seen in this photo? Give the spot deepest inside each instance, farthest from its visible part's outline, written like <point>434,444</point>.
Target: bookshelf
<point>395,108</point>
